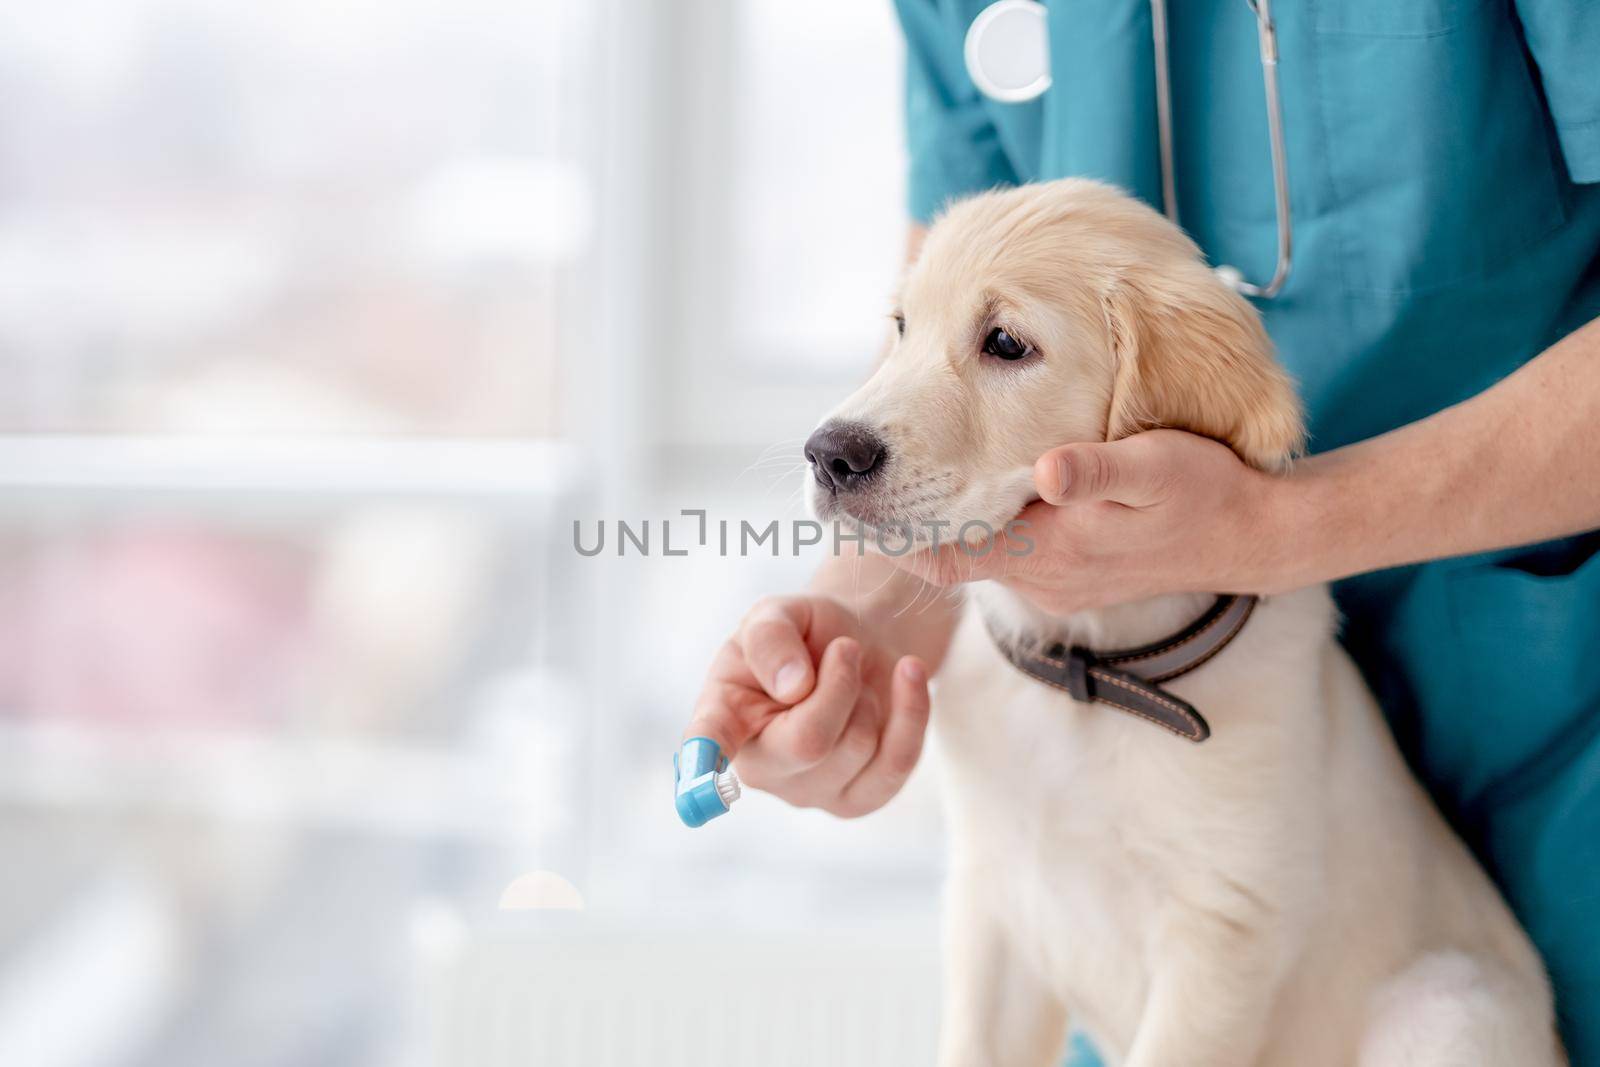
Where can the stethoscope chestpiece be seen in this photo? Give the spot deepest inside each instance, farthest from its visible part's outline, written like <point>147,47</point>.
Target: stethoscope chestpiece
<point>1008,51</point>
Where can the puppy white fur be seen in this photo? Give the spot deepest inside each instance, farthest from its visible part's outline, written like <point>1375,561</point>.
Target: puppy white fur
<point>1284,894</point>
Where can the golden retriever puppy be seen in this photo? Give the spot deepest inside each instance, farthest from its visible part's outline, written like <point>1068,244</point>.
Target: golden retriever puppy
<point>1283,894</point>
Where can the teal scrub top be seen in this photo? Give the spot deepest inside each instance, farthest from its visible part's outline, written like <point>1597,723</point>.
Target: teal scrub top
<point>1443,157</point>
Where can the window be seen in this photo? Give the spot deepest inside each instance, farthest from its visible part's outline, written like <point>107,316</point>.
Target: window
<point>320,325</point>
<point>283,444</point>
<point>788,226</point>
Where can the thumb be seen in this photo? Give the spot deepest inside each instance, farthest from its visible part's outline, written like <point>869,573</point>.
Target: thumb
<point>1121,471</point>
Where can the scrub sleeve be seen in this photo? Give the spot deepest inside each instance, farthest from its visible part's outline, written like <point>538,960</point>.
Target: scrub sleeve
<point>954,148</point>
<point>1564,42</point>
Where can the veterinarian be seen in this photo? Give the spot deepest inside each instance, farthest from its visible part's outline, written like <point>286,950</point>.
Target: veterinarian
<point>1440,316</point>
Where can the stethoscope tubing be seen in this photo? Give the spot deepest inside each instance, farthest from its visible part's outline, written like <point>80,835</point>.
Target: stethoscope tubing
<point>1268,35</point>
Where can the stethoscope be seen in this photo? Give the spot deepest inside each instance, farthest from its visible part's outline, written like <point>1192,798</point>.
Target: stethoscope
<point>1008,59</point>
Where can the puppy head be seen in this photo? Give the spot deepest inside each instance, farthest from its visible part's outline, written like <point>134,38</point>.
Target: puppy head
<point>1035,317</point>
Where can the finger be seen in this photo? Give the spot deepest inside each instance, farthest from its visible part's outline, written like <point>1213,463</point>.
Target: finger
<point>730,716</point>
<point>900,746</point>
<point>1125,472</point>
<point>773,639</point>
<point>732,707</point>
<point>857,744</point>
<point>804,735</point>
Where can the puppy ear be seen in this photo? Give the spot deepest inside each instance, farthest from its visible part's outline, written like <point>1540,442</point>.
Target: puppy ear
<point>1191,355</point>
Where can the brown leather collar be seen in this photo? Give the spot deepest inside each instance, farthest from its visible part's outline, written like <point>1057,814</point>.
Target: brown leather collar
<point>1129,678</point>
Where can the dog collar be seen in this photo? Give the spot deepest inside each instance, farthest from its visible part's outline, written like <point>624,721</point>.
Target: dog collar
<point>1130,678</point>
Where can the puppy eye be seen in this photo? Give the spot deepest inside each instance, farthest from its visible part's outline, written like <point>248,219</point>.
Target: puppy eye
<point>1003,346</point>
<point>899,323</point>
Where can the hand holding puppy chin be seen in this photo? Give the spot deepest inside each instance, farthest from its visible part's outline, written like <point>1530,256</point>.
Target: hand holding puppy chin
<point>1158,512</point>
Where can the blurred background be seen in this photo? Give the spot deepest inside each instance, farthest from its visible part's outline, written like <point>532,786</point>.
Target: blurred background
<point>321,322</point>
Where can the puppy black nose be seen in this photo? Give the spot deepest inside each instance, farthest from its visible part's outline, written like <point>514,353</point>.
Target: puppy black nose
<point>844,455</point>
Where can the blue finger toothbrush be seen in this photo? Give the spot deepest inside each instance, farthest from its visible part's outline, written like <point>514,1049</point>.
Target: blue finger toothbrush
<point>706,787</point>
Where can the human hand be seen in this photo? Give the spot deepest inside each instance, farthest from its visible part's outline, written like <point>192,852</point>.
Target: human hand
<point>815,706</point>
<point>1158,512</point>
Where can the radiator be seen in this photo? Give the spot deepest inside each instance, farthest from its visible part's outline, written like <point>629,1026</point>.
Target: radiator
<point>580,999</point>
